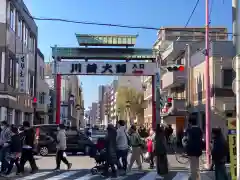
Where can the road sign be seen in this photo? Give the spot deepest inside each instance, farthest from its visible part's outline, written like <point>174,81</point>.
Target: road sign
<point>232,147</point>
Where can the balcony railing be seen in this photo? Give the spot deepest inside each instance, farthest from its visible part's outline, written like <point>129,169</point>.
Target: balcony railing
<point>173,79</point>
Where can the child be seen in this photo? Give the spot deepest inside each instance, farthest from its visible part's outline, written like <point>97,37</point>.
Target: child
<point>15,151</point>
<point>150,149</point>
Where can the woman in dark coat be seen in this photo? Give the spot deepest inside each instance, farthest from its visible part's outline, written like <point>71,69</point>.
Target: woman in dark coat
<point>111,155</point>
<point>161,151</point>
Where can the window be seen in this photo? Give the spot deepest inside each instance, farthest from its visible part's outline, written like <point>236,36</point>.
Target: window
<point>12,18</point>
<point>42,98</point>
<point>10,77</point>
<point>19,27</point>
<point>228,76</point>
<point>25,37</point>
<point>16,77</point>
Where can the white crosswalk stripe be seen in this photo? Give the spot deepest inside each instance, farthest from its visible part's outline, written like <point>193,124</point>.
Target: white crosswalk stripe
<point>85,175</point>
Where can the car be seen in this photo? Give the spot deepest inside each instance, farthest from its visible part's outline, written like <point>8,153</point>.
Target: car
<point>46,136</point>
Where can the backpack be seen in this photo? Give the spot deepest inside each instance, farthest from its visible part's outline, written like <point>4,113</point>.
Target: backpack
<point>128,139</point>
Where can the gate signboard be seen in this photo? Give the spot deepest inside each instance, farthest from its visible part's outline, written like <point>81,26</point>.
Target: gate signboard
<point>106,68</point>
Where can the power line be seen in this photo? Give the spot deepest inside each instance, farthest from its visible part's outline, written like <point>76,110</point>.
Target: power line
<point>193,11</point>
<point>120,25</point>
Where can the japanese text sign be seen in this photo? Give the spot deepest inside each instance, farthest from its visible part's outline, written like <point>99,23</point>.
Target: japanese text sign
<point>22,74</point>
<point>107,68</point>
<point>232,147</point>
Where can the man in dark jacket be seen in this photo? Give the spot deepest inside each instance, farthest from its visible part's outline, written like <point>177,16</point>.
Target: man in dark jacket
<point>219,154</point>
<point>194,146</point>
<point>28,147</point>
<point>111,150</point>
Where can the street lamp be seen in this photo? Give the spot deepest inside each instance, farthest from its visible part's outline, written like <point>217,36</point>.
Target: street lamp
<point>128,103</point>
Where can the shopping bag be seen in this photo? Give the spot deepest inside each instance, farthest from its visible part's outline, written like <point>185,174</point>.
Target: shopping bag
<point>65,154</point>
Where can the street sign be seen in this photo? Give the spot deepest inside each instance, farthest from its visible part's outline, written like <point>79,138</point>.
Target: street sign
<point>232,147</point>
<point>106,68</point>
<point>22,73</point>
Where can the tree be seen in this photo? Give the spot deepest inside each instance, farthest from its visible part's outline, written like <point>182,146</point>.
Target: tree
<point>129,102</point>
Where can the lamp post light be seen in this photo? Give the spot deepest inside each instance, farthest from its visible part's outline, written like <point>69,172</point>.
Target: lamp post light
<point>128,103</point>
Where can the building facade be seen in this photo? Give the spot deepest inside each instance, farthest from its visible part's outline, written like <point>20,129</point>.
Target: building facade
<point>93,113</point>
<point>18,38</point>
<point>187,89</point>
<point>173,42</point>
<point>71,98</point>
<point>42,92</point>
<point>101,109</point>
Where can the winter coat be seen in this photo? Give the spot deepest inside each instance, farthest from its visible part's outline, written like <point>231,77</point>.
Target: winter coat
<point>61,140</point>
<point>220,150</point>
<point>160,144</point>
<point>194,143</point>
<point>122,138</point>
<point>111,146</point>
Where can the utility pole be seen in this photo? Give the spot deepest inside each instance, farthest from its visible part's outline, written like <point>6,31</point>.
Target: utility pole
<point>236,45</point>
<point>157,80</point>
<point>207,84</point>
<point>55,84</point>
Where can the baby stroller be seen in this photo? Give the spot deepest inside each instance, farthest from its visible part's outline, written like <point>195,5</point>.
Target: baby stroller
<point>99,156</point>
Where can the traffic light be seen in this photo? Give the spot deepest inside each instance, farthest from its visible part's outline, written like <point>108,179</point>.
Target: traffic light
<point>169,103</point>
<point>34,101</point>
<point>175,68</point>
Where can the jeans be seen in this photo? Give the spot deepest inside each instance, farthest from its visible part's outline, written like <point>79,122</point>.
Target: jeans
<point>220,172</point>
<point>194,168</point>
<point>27,155</point>
<point>3,153</point>
<point>60,157</point>
<point>10,166</point>
<point>122,154</point>
<point>151,159</point>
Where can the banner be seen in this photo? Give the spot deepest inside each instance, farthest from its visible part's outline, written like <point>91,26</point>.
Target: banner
<point>232,147</point>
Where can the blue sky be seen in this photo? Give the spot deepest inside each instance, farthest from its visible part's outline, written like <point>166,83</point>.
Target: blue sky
<point>156,13</point>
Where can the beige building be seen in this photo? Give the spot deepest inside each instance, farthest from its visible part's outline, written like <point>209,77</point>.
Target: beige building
<point>174,84</point>
<point>42,91</point>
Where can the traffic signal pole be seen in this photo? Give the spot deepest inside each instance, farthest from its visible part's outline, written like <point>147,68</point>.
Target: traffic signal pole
<point>57,90</point>
<point>207,85</point>
<point>235,24</point>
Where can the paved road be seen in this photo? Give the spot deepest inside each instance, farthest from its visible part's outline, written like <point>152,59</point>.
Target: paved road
<point>82,165</point>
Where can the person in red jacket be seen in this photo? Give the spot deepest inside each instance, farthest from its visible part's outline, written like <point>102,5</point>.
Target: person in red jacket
<point>150,148</point>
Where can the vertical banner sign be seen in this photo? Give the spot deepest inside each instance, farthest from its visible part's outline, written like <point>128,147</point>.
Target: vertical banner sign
<point>232,147</point>
<point>22,74</point>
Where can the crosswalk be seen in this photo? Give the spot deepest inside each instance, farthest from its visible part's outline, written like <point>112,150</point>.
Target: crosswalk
<point>85,174</point>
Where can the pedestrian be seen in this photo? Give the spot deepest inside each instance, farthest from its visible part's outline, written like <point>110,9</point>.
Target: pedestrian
<point>111,151</point>
<point>193,145</point>
<point>136,143</point>
<point>28,142</point>
<point>150,148</point>
<point>123,143</point>
<point>15,151</point>
<point>219,154</point>
<point>5,138</point>
<point>160,146</point>
<point>61,147</point>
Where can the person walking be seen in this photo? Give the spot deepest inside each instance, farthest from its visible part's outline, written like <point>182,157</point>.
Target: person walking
<point>61,147</point>
<point>5,138</point>
<point>15,151</point>
<point>160,145</point>
<point>150,148</point>
<point>219,154</point>
<point>28,142</point>
<point>111,151</point>
<point>136,144</point>
<point>123,143</point>
<point>193,145</point>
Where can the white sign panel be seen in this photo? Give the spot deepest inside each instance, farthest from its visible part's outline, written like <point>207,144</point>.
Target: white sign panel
<point>107,68</point>
<point>22,74</point>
